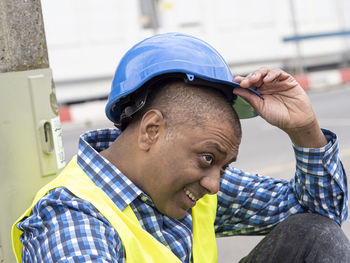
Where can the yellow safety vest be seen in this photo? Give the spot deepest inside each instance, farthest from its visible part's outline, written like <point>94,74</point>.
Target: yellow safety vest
<point>139,245</point>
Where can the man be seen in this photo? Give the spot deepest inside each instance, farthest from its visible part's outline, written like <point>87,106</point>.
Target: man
<point>159,188</point>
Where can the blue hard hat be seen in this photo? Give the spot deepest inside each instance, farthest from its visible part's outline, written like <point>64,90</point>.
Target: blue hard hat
<point>167,56</point>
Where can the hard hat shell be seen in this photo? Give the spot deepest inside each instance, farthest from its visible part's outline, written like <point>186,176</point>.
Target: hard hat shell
<point>168,54</point>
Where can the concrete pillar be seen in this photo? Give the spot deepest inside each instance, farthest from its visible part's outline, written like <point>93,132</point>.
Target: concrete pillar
<point>31,149</point>
<point>22,36</point>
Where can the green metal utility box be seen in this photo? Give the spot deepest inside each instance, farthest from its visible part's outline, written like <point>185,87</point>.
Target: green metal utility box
<point>31,150</point>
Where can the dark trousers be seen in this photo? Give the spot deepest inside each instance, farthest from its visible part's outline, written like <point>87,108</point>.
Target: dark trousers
<point>303,238</point>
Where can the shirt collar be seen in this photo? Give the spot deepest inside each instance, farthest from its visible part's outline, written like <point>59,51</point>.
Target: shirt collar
<point>103,173</point>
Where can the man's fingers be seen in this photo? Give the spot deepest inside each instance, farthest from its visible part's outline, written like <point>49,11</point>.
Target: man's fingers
<point>266,82</point>
<point>277,80</point>
<point>249,96</point>
<point>254,79</point>
<point>238,79</point>
<point>276,75</point>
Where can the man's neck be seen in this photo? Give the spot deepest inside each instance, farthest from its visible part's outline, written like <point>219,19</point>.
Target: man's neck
<point>122,154</point>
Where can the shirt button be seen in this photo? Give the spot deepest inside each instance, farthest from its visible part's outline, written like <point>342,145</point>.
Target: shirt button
<point>339,197</point>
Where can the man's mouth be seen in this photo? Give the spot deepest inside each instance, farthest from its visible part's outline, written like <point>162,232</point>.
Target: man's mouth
<point>190,195</point>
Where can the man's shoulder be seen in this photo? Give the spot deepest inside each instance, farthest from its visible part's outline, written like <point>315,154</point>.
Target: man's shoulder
<point>62,225</point>
<point>60,202</point>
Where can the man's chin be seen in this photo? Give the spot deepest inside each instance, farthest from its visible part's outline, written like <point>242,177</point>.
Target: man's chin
<point>178,214</point>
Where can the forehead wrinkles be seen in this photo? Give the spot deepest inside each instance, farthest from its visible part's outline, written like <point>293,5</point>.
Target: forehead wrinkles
<point>228,139</point>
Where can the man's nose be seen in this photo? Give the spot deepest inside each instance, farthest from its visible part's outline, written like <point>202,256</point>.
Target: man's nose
<point>211,182</point>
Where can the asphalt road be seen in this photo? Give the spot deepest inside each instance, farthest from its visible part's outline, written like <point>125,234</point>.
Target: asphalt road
<point>264,150</point>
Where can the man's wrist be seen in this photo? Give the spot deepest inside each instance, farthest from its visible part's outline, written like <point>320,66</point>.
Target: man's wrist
<point>310,136</point>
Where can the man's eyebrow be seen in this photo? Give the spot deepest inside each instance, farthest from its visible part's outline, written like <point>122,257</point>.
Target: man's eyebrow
<point>216,146</point>
<point>220,150</point>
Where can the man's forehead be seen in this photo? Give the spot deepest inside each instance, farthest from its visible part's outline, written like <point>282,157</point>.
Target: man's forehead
<point>218,135</point>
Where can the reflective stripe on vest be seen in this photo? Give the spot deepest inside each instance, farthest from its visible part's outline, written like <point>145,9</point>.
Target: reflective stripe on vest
<point>139,245</point>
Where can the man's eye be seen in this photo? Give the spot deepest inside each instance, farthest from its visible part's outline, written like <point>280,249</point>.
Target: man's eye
<point>208,159</point>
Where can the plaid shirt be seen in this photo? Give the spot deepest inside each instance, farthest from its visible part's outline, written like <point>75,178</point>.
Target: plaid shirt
<point>64,228</point>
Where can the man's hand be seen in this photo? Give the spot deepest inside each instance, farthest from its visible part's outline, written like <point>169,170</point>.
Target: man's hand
<point>285,105</point>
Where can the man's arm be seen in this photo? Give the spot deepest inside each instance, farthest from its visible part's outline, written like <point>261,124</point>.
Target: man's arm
<point>286,105</point>
<point>63,228</point>
<point>252,204</point>
<point>320,179</point>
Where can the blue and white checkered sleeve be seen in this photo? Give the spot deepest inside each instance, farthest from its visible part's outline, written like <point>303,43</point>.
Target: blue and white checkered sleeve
<point>320,180</point>
<point>252,204</point>
<point>63,228</point>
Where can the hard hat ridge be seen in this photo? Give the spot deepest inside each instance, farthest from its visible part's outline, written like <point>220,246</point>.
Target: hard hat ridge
<point>171,55</point>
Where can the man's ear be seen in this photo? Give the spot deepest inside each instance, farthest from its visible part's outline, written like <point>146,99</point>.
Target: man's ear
<point>151,125</point>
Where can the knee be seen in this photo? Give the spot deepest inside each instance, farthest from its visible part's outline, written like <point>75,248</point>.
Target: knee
<point>303,238</point>
<point>321,237</point>
<point>312,224</point>
<point>317,231</point>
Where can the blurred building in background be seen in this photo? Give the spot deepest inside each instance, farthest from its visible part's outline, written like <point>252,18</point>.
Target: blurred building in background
<point>86,38</point>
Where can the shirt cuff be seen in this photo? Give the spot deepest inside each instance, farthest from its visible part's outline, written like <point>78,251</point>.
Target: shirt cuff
<point>317,160</point>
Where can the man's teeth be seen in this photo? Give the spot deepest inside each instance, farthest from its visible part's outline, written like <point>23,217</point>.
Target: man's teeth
<point>190,195</point>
